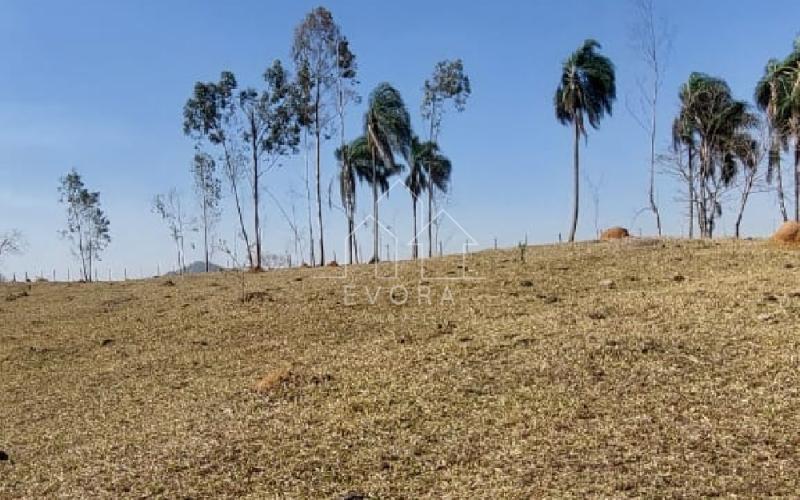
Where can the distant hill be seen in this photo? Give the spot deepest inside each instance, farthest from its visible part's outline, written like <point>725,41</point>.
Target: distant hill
<point>198,267</point>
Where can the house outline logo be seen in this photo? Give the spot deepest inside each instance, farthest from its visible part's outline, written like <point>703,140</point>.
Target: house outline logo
<point>378,265</point>
<point>469,241</point>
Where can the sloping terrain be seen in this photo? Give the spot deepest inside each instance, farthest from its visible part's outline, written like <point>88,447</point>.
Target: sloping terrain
<point>612,369</point>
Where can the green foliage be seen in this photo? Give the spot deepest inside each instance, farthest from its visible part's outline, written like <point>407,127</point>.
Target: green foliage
<point>587,89</point>
<point>448,83</point>
<point>88,228</point>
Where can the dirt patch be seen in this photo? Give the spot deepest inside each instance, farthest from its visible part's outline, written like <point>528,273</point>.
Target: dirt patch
<point>614,233</point>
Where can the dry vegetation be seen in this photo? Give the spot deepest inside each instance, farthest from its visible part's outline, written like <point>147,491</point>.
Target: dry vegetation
<point>623,368</point>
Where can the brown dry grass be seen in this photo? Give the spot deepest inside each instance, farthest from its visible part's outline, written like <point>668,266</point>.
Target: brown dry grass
<point>681,380</point>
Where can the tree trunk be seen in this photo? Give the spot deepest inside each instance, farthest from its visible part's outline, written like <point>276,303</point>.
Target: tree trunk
<point>781,194</point>
<point>205,229</point>
<point>576,183</point>
<point>651,194</point>
<point>312,259</point>
<point>256,174</point>
<point>415,247</point>
<point>797,178</point>
<point>431,186</point>
<point>691,192</point>
<point>351,244</point>
<point>242,226</point>
<point>375,239</point>
<point>318,133</point>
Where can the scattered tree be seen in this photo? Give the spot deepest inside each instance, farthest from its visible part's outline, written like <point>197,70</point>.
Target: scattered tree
<point>721,127</point>
<point>652,41</point>
<point>586,92</point>
<point>208,190</point>
<point>387,128</point>
<point>317,44</point>
<point>170,208</point>
<point>88,228</point>
<point>448,85</point>
<point>770,97</point>
<point>345,94</point>
<point>250,127</point>
<point>428,169</point>
<point>210,116</point>
<point>11,243</point>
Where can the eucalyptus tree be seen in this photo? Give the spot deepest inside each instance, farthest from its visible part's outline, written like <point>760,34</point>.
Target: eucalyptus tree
<point>346,71</point>
<point>586,92</point>
<point>208,190</point>
<point>387,128</point>
<point>320,48</point>
<point>428,169</point>
<point>449,85</point>
<point>252,127</point>
<point>771,94</point>
<point>88,228</point>
<point>304,110</point>
<point>210,116</point>
<point>720,125</point>
<point>170,208</point>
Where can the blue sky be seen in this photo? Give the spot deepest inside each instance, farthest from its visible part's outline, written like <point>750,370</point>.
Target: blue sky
<point>100,86</point>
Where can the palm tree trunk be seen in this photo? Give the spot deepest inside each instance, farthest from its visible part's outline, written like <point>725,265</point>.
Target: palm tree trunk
<point>375,235</point>
<point>797,178</point>
<point>350,237</point>
<point>691,192</point>
<point>576,183</point>
<point>415,247</point>
<point>430,219</point>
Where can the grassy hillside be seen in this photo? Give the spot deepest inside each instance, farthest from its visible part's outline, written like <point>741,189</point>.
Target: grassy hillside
<point>632,368</point>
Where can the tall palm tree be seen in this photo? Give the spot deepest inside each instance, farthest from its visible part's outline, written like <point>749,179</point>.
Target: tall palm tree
<point>358,166</point>
<point>429,169</point>
<point>790,111</point>
<point>387,127</point>
<point>586,93</point>
<point>721,124</point>
<point>770,95</point>
<point>683,136</point>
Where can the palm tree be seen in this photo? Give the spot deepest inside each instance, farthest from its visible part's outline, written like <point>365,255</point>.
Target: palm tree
<point>770,96</point>
<point>586,92</point>
<point>429,169</point>
<point>359,166</point>
<point>789,109</point>
<point>683,136</point>
<point>721,125</point>
<point>387,127</point>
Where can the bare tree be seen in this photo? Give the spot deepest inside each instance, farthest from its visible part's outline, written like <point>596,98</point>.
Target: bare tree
<point>752,179</point>
<point>651,38</point>
<point>170,208</point>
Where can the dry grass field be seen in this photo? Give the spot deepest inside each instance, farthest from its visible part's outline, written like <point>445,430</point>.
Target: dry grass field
<point>638,368</point>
